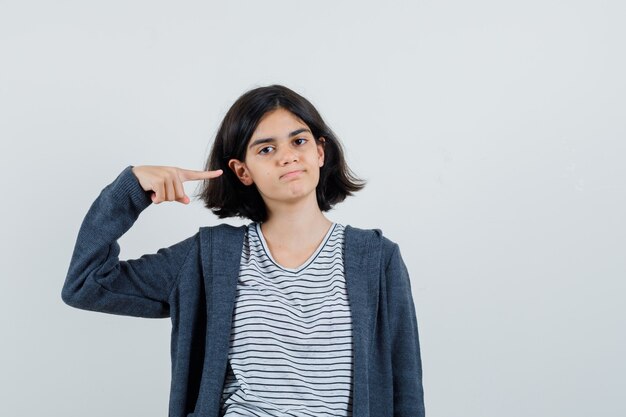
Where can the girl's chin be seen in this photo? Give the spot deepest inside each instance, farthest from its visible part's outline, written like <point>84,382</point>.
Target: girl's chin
<point>293,192</point>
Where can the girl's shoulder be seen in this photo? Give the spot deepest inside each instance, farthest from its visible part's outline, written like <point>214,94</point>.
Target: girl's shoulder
<point>387,246</point>
<point>353,234</point>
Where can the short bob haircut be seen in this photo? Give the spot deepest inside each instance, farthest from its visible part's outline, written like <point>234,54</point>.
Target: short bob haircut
<point>227,196</point>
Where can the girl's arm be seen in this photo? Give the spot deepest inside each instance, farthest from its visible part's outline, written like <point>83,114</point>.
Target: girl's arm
<point>98,281</point>
<point>408,392</point>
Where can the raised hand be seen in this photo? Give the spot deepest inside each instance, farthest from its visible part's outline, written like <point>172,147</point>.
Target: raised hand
<point>166,182</point>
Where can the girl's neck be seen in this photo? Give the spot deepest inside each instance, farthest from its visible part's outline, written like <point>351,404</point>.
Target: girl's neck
<point>295,227</point>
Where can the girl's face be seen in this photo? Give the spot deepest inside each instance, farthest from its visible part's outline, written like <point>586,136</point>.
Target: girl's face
<point>282,159</point>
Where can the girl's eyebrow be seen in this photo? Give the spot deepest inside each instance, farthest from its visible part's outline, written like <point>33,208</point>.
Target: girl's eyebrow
<point>266,140</point>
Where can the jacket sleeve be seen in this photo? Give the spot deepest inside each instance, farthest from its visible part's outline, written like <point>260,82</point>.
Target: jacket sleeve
<point>408,393</point>
<point>98,281</point>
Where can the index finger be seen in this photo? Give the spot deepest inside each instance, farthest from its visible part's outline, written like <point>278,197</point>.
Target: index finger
<point>192,175</point>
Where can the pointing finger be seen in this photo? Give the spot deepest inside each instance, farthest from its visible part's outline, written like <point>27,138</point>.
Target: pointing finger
<point>191,175</point>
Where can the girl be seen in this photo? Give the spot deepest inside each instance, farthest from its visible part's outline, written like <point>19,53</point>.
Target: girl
<point>290,315</point>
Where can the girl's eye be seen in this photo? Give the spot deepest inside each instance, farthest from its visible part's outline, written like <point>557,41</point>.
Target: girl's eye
<point>262,149</point>
<point>302,139</point>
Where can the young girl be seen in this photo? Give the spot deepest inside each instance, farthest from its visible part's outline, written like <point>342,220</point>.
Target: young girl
<point>290,315</point>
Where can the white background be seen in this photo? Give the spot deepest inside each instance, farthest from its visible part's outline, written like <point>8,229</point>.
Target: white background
<point>492,134</point>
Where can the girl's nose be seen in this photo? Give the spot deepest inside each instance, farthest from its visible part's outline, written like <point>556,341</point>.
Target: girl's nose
<point>288,156</point>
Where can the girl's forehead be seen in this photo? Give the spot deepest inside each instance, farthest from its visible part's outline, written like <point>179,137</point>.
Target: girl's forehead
<point>279,123</point>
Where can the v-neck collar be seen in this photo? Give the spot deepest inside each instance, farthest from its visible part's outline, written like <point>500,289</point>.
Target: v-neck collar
<point>306,263</point>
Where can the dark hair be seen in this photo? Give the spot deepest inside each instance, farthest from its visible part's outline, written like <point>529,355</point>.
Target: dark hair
<point>226,196</point>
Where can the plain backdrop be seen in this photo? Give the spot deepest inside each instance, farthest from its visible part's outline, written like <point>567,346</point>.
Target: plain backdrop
<point>492,134</point>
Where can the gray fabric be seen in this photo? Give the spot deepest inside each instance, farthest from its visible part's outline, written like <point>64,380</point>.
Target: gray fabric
<point>194,281</point>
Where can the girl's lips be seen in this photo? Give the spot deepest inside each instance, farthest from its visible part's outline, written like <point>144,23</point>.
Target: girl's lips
<point>291,174</point>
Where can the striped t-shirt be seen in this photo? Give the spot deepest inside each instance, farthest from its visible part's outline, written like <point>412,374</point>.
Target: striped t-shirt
<point>291,338</point>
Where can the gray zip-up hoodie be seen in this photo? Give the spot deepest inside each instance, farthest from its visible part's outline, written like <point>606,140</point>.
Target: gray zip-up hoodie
<point>194,282</point>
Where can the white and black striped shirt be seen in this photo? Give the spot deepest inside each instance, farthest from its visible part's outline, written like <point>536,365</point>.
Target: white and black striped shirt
<point>291,338</point>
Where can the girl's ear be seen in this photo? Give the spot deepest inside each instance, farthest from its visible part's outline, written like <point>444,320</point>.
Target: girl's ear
<point>241,171</point>
<point>320,150</point>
